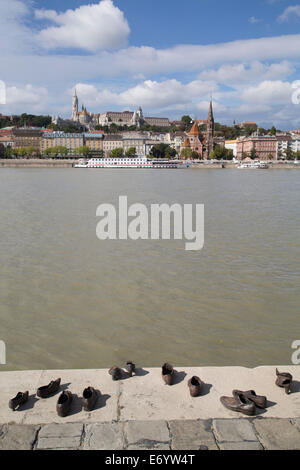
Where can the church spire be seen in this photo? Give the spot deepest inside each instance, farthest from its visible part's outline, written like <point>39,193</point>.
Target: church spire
<point>210,128</point>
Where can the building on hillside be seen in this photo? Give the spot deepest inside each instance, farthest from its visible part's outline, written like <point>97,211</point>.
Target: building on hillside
<point>247,124</point>
<point>265,147</point>
<point>27,137</point>
<point>124,118</point>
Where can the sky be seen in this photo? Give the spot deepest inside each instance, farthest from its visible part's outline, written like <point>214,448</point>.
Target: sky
<point>167,56</point>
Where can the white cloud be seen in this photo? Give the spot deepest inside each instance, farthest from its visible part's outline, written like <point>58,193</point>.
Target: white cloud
<point>90,27</point>
<point>149,94</point>
<point>269,92</point>
<point>26,98</point>
<point>15,37</point>
<point>289,12</point>
<point>246,73</point>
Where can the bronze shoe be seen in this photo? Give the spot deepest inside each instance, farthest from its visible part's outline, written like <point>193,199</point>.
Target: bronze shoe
<point>48,390</point>
<point>167,373</point>
<point>64,403</point>
<point>259,400</point>
<point>18,400</point>
<point>239,403</point>
<point>130,367</point>
<point>89,399</point>
<point>195,386</point>
<point>284,380</point>
<point>115,372</point>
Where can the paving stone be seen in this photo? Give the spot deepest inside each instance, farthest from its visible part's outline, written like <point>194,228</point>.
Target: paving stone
<point>148,435</point>
<point>246,445</point>
<point>233,430</point>
<point>18,437</point>
<point>278,434</point>
<point>61,430</point>
<point>191,435</point>
<point>60,436</point>
<point>104,436</point>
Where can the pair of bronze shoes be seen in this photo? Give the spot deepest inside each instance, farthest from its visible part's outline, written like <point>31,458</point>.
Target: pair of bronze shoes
<point>284,380</point>
<point>64,402</point>
<point>194,384</point>
<point>244,402</point>
<point>117,372</point>
<point>42,392</point>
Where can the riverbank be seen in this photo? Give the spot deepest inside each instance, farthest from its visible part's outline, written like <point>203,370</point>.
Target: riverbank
<point>35,163</point>
<point>142,412</point>
<point>68,163</point>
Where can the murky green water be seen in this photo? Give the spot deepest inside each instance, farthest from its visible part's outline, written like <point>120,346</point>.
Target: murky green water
<point>68,300</point>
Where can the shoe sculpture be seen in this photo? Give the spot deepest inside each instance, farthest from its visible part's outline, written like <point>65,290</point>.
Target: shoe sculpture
<point>64,403</point>
<point>18,400</point>
<point>167,373</point>
<point>48,390</point>
<point>89,399</point>
<point>239,403</point>
<point>284,380</point>
<point>259,400</point>
<point>115,372</point>
<point>195,386</point>
<point>130,367</point>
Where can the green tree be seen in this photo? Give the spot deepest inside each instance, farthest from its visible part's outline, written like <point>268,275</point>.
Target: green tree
<point>253,154</point>
<point>273,130</point>
<point>131,152</point>
<point>117,152</point>
<point>162,151</point>
<point>289,154</point>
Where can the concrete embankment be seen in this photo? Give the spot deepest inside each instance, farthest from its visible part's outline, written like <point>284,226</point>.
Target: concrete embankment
<point>145,397</point>
<point>141,413</point>
<point>35,163</point>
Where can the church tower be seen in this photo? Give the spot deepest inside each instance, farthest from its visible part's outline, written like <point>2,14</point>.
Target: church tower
<point>210,129</point>
<point>74,106</point>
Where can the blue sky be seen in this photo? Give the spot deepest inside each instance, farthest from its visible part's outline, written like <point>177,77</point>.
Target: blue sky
<point>167,56</point>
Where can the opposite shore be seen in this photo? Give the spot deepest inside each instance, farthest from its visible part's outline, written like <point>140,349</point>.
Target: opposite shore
<point>69,163</point>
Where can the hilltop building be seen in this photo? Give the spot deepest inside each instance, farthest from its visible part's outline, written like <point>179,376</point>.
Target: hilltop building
<point>124,118</point>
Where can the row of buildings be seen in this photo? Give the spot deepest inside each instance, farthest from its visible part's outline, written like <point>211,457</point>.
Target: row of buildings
<point>266,147</point>
<point>97,142</point>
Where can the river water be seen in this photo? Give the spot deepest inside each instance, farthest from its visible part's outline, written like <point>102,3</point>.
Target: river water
<point>69,300</point>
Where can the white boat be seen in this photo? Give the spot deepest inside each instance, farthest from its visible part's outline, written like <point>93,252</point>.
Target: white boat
<point>136,162</point>
<point>253,165</point>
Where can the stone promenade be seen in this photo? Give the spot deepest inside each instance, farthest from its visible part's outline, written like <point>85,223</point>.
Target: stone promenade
<point>217,434</point>
<point>141,412</point>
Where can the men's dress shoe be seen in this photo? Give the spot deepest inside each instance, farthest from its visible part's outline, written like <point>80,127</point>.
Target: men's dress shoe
<point>18,400</point>
<point>89,398</point>
<point>195,386</point>
<point>130,367</point>
<point>259,400</point>
<point>239,403</point>
<point>284,380</point>
<point>64,403</point>
<point>48,390</point>
<point>115,372</point>
<point>167,373</point>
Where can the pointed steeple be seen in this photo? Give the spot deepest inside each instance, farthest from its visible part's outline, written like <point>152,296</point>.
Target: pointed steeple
<point>210,129</point>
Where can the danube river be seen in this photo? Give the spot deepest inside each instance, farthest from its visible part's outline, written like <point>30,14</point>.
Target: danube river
<point>69,300</point>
